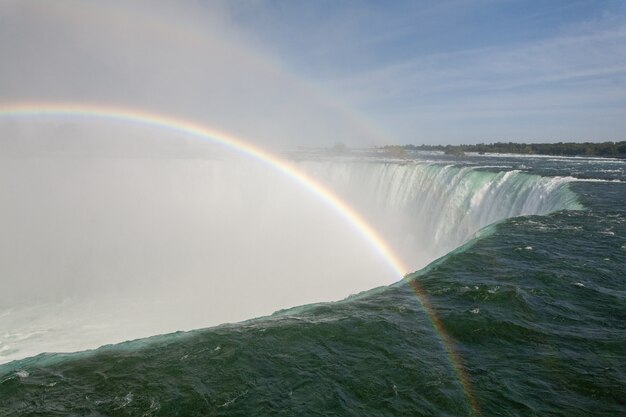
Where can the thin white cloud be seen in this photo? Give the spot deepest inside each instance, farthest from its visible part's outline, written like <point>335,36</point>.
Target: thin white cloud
<point>574,72</point>
<point>497,68</point>
<point>204,61</point>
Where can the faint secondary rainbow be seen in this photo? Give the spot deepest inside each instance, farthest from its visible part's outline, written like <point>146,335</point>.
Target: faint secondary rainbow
<point>192,129</point>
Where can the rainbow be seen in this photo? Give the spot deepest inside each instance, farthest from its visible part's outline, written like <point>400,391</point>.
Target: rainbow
<point>191,129</point>
<point>194,130</point>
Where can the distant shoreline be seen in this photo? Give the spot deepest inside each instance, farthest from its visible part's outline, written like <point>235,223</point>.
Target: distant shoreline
<point>596,149</point>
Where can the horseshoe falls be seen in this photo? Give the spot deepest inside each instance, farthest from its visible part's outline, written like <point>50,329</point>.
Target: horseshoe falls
<point>445,202</point>
<point>519,261</point>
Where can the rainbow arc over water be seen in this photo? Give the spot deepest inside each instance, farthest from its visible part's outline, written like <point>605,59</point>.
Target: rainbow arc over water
<point>191,129</point>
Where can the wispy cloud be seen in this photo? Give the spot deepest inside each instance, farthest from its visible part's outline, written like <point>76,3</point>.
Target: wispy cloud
<point>455,61</point>
<point>453,70</point>
<point>572,72</point>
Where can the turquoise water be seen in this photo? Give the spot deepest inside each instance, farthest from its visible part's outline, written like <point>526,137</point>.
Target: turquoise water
<point>534,306</point>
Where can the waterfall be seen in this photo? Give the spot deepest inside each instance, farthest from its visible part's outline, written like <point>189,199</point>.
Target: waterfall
<point>101,250</point>
<point>427,209</point>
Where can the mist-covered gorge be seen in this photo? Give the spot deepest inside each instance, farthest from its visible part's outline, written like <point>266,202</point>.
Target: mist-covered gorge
<point>100,248</point>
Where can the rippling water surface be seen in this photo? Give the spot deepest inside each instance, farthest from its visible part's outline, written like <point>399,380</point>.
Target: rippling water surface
<point>526,317</point>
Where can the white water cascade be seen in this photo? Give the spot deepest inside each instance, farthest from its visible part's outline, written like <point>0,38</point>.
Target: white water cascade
<point>102,249</point>
<point>427,209</point>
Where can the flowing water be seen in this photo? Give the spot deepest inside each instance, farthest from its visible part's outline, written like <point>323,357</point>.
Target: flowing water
<point>521,309</point>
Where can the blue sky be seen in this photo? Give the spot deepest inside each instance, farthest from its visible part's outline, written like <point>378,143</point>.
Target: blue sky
<point>285,73</point>
<point>457,71</point>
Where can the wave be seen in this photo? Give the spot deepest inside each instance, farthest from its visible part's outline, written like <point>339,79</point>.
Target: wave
<point>533,290</point>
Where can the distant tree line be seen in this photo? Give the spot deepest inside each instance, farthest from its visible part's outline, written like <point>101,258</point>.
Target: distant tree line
<point>605,149</point>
